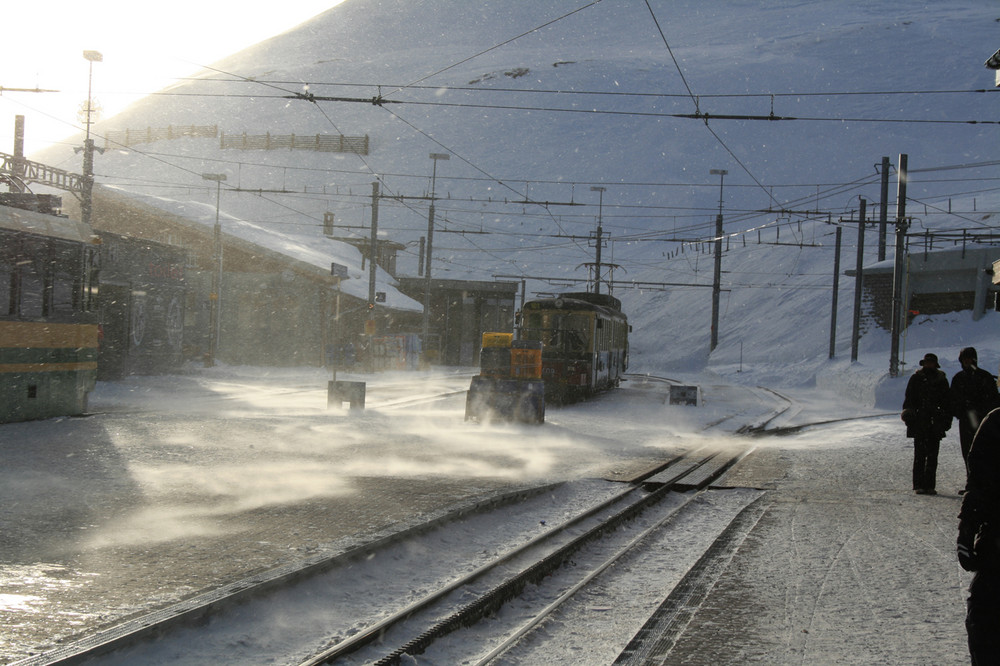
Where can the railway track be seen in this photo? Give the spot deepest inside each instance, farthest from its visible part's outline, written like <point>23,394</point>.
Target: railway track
<point>418,626</point>
<point>360,595</point>
<point>413,622</point>
<point>775,405</point>
<point>381,615</point>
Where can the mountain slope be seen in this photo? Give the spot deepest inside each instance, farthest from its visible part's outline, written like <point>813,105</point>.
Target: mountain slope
<point>540,102</point>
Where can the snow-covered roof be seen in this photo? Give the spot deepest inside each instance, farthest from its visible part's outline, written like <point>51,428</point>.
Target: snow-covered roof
<point>952,258</point>
<point>318,252</point>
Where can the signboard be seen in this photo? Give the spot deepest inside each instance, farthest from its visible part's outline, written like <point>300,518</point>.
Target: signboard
<point>337,270</point>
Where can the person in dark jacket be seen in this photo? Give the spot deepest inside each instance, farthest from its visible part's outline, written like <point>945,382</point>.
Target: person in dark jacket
<point>973,395</point>
<point>979,542</point>
<point>927,414</point>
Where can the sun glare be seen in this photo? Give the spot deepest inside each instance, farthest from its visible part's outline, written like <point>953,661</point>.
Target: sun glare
<point>143,47</point>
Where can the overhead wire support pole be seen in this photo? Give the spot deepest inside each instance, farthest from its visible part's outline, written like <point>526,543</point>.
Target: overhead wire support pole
<point>215,297</point>
<point>858,282</point>
<point>370,322</point>
<point>426,323</point>
<point>896,324</point>
<point>717,274</point>
<point>371,251</point>
<point>86,198</point>
<point>836,292</point>
<point>883,208</point>
<point>600,238</point>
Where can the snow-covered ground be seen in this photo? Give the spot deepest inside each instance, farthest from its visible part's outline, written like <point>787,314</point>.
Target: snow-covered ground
<point>184,483</point>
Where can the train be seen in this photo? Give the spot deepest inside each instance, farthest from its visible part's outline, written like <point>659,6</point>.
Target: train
<point>584,340</point>
<point>48,323</point>
<point>567,349</point>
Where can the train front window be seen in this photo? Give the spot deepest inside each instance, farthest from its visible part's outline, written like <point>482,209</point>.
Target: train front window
<point>557,331</point>
<point>532,326</point>
<point>576,333</point>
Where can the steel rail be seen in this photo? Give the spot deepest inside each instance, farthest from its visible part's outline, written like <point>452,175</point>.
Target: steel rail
<point>499,594</point>
<point>527,627</point>
<point>374,631</point>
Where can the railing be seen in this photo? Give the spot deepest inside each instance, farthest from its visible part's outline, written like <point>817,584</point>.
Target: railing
<point>131,137</point>
<point>36,172</point>
<point>324,143</point>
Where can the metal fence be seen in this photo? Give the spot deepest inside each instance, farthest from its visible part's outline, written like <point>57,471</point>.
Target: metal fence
<point>131,137</point>
<point>324,143</point>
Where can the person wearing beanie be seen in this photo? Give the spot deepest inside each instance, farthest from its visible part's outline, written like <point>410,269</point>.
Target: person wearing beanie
<point>973,395</point>
<point>927,412</point>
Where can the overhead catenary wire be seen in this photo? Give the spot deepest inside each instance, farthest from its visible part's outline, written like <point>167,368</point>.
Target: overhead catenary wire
<point>588,93</point>
<point>311,98</point>
<point>972,165</point>
<point>700,116</point>
<point>504,43</point>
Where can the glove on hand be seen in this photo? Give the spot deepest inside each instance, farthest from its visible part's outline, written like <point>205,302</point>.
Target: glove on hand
<point>966,541</point>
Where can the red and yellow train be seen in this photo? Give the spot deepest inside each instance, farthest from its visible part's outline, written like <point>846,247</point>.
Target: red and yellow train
<point>568,348</point>
<point>584,340</point>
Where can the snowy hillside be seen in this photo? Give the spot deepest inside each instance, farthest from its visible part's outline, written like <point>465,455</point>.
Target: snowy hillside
<point>540,102</point>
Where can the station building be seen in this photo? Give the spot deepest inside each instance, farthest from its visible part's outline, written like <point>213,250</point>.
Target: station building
<point>275,308</point>
<point>460,311</point>
<point>935,282</point>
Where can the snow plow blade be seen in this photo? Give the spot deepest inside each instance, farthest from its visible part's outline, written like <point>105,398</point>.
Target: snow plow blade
<point>506,399</point>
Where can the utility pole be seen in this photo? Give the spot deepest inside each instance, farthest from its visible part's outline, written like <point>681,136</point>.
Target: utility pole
<point>370,322</point>
<point>897,271</point>
<point>717,276</point>
<point>86,198</point>
<point>215,297</point>
<point>836,290</point>
<point>19,147</point>
<point>600,238</point>
<point>883,209</point>
<point>858,282</point>
<point>371,253</point>
<point>426,324</point>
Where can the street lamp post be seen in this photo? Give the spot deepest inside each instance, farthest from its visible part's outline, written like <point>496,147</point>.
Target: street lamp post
<point>86,196</point>
<point>600,237</point>
<point>215,318</point>
<point>426,324</point>
<point>717,276</point>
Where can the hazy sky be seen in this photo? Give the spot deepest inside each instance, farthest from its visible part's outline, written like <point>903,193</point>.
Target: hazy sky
<point>143,48</point>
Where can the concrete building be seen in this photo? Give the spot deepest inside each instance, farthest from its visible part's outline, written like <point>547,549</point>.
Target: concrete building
<point>460,312</point>
<point>934,282</point>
